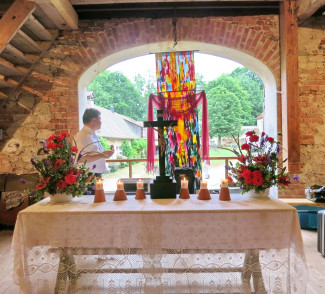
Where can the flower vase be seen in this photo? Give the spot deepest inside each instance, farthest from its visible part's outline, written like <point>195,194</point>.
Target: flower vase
<point>184,194</point>
<point>61,198</point>
<point>139,194</point>
<point>252,194</point>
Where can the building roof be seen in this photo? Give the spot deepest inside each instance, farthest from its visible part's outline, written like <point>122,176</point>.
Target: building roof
<point>114,125</point>
<point>260,116</point>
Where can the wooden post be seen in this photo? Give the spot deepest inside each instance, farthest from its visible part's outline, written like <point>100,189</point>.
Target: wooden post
<point>289,84</point>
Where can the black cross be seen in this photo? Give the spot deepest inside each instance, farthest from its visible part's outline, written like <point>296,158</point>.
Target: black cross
<point>161,124</point>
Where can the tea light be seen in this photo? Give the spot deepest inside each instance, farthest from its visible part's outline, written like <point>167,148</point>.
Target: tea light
<point>184,184</point>
<point>139,184</point>
<point>99,184</point>
<point>204,185</point>
<point>120,185</point>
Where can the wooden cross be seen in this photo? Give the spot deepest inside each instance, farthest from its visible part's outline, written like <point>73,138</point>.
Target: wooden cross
<point>161,124</point>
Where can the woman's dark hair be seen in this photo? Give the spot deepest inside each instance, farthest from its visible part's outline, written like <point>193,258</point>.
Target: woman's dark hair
<point>89,114</point>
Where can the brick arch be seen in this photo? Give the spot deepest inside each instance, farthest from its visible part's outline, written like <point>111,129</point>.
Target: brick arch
<point>98,44</point>
<point>51,91</point>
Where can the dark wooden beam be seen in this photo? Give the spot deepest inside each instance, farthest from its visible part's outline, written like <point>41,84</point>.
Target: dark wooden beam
<point>289,84</point>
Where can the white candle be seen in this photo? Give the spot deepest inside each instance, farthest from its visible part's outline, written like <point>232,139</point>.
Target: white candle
<point>139,184</point>
<point>184,184</point>
<point>99,184</point>
<point>224,183</point>
<point>204,185</point>
<point>120,185</point>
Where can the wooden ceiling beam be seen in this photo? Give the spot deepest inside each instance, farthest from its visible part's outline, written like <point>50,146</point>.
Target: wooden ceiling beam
<point>13,19</point>
<point>306,8</point>
<point>61,12</point>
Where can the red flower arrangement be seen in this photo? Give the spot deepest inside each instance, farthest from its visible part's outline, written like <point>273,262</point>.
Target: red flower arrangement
<point>258,167</point>
<point>60,172</point>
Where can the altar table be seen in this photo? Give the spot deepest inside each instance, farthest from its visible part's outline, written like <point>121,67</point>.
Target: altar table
<point>159,246</point>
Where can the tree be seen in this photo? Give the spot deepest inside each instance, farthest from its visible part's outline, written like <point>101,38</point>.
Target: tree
<point>140,147</point>
<point>114,89</point>
<point>253,86</point>
<point>127,149</point>
<point>233,86</point>
<point>225,112</point>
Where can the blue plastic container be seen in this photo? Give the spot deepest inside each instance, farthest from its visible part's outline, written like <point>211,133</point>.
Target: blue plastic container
<point>308,216</point>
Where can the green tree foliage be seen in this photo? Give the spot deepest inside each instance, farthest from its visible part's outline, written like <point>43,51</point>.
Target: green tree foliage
<point>146,84</point>
<point>233,86</point>
<point>115,89</point>
<point>225,112</point>
<point>139,147</point>
<point>253,86</point>
<point>127,149</point>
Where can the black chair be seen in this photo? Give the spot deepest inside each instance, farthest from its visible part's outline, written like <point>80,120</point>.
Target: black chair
<point>189,174</point>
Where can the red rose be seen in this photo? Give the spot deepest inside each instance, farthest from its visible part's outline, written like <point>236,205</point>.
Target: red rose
<point>258,181</point>
<point>61,184</point>
<point>51,138</point>
<point>263,134</point>
<point>248,180</point>
<point>74,149</point>
<point>59,145</point>
<point>245,146</point>
<point>257,174</point>
<point>51,145</point>
<point>270,139</point>
<point>70,178</point>
<point>250,133</point>
<point>247,173</point>
<point>254,138</point>
<point>65,134</point>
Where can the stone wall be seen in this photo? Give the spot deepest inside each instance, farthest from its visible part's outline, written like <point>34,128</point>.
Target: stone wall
<point>312,104</point>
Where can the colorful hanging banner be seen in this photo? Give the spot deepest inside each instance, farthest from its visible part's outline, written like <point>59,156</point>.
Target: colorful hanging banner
<point>175,72</point>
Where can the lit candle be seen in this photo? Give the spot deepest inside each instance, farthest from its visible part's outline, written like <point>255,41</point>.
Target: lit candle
<point>224,183</point>
<point>204,185</point>
<point>120,185</point>
<point>184,184</point>
<point>139,184</point>
<point>99,184</point>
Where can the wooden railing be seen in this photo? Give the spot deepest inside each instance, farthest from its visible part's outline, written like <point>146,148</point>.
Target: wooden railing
<point>131,160</point>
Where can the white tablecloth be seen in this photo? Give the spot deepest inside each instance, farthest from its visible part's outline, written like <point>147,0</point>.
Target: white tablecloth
<point>161,246</point>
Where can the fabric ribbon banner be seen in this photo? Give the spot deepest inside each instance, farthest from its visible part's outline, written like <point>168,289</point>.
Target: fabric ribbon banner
<point>178,99</point>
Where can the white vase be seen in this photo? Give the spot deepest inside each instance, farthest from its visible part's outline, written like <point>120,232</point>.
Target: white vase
<point>251,194</point>
<point>61,198</point>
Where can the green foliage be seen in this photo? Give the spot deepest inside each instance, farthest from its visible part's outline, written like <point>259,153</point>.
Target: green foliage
<point>115,89</point>
<point>104,143</point>
<point>254,88</point>
<point>225,112</point>
<point>139,147</point>
<point>127,149</point>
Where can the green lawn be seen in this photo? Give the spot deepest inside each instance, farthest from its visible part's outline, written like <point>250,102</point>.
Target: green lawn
<point>219,152</point>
